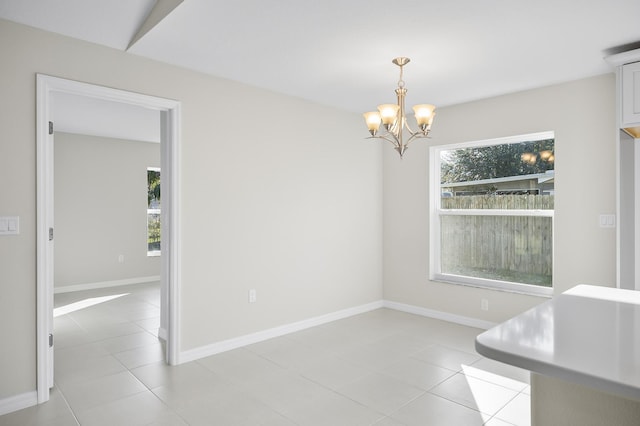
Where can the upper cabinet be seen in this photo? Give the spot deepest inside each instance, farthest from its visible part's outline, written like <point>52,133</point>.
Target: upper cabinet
<point>627,66</point>
<point>630,95</point>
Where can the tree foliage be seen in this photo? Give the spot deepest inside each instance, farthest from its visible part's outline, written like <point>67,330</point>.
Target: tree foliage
<point>153,187</point>
<point>495,161</point>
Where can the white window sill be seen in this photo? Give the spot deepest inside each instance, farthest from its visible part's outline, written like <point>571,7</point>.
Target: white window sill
<point>509,287</point>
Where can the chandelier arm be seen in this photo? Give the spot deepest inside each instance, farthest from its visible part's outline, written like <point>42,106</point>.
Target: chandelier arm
<point>396,128</point>
<point>416,135</point>
<point>406,125</point>
<point>394,141</point>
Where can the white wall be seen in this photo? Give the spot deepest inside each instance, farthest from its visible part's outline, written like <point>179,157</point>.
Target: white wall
<point>296,214</point>
<point>582,114</point>
<point>285,207</point>
<point>100,212</point>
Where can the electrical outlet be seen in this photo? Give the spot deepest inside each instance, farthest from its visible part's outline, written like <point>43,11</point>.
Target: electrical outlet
<point>484,304</point>
<point>252,295</point>
<point>121,258</point>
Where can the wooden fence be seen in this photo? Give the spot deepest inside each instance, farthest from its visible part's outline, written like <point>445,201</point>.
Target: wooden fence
<point>511,248</point>
<point>505,202</point>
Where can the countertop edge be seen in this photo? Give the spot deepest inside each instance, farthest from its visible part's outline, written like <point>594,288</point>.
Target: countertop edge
<point>558,372</point>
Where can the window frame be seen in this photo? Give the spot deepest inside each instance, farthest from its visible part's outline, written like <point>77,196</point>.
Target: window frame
<point>436,213</point>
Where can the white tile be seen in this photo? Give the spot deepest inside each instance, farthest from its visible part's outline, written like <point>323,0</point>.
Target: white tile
<point>332,409</point>
<point>160,374</point>
<point>403,342</point>
<point>518,411</point>
<point>135,410</point>
<point>446,357</point>
<point>332,371</point>
<point>130,341</point>
<point>170,419</point>
<point>71,355</point>
<point>494,421</point>
<point>283,391</point>
<point>65,323</point>
<point>456,336</point>
<point>73,370</point>
<point>150,324</point>
<point>474,393</point>
<point>385,362</point>
<point>143,314</point>
<point>233,408</point>
<point>504,370</point>
<point>141,356</point>
<point>418,373</point>
<point>388,421</point>
<point>285,352</point>
<point>380,392</point>
<point>373,355</point>
<point>67,339</point>
<point>90,393</point>
<point>112,331</point>
<point>497,379</point>
<point>432,410</point>
<point>328,337</point>
<point>240,365</point>
<point>180,394</point>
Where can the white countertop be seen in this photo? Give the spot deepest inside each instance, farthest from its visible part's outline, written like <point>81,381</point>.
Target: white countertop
<point>588,335</point>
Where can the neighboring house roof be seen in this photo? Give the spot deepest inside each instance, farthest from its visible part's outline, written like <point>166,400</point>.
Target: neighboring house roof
<point>547,177</point>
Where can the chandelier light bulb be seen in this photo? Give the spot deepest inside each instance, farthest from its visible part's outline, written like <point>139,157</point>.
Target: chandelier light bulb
<point>373,121</point>
<point>388,113</point>
<point>545,155</point>
<point>424,115</point>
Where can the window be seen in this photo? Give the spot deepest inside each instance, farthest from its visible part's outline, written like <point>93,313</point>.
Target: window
<point>153,211</point>
<point>492,213</point>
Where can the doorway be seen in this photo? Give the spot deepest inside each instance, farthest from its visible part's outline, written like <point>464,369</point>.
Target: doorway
<point>47,87</point>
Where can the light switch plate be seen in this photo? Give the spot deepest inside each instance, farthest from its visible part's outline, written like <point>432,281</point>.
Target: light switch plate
<point>9,225</point>
<point>607,221</point>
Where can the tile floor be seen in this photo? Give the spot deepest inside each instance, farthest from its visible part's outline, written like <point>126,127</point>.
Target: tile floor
<point>383,368</point>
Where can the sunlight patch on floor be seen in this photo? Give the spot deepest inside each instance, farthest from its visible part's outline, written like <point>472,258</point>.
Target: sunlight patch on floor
<point>76,306</point>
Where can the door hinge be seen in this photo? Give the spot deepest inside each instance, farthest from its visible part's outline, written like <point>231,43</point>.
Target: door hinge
<point>50,234</point>
<point>50,340</point>
<point>51,127</point>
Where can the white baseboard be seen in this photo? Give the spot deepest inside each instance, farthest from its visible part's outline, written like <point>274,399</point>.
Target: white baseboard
<point>445,316</point>
<point>18,402</point>
<point>105,284</point>
<point>237,342</point>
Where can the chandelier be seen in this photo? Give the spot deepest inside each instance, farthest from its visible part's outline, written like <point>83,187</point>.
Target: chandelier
<point>394,121</point>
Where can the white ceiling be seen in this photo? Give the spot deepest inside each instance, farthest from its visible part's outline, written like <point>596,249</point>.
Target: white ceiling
<point>338,52</point>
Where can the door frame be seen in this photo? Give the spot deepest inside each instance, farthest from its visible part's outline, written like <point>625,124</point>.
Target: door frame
<point>170,120</point>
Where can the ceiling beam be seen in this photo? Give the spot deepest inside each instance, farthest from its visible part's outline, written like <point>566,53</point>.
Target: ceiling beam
<point>160,11</point>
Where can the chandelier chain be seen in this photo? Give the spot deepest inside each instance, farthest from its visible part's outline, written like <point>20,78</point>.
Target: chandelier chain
<point>401,81</point>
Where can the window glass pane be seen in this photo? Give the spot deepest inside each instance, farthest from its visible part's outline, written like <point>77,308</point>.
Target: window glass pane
<point>481,190</point>
<point>489,173</point>
<point>153,211</point>
<point>153,188</point>
<point>153,232</point>
<point>506,248</point>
